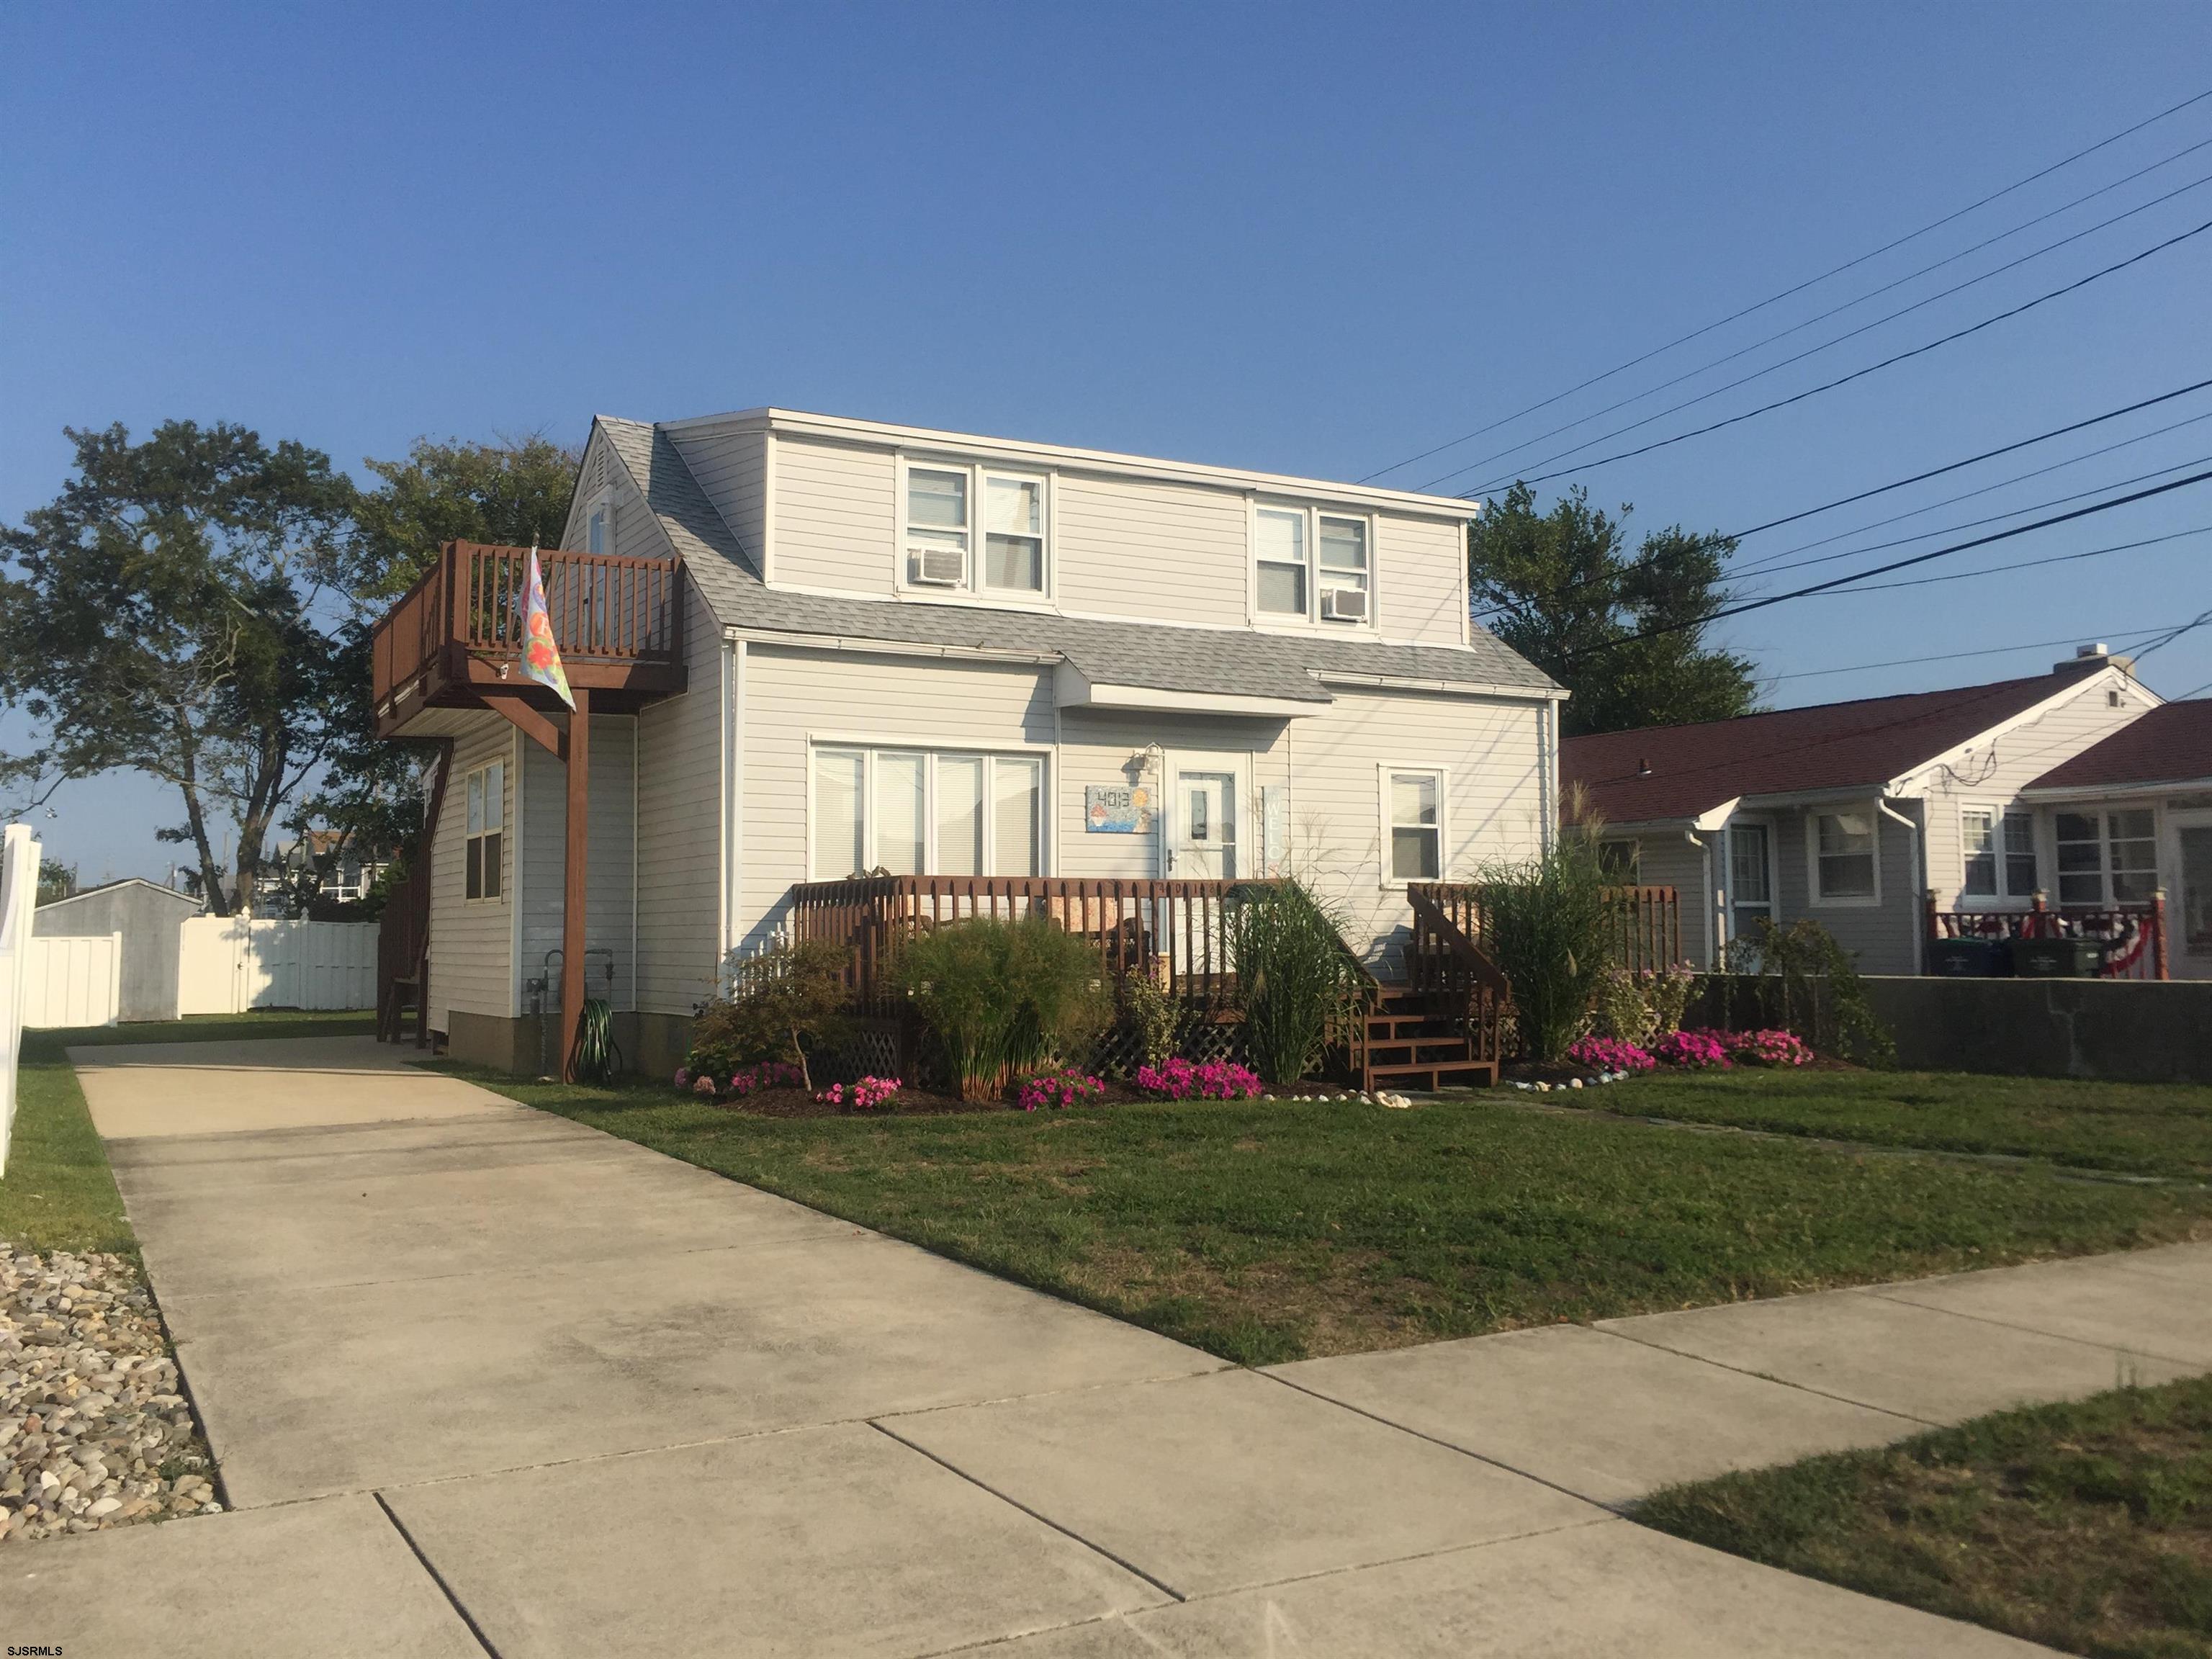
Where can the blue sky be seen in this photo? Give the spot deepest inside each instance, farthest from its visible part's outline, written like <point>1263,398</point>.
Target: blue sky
<point>1315,240</point>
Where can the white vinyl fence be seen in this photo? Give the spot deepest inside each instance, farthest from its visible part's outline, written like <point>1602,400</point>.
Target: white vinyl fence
<point>73,980</point>
<point>19,894</point>
<point>228,964</point>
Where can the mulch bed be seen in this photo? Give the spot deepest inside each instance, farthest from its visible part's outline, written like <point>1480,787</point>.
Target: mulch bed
<point>909,1103</point>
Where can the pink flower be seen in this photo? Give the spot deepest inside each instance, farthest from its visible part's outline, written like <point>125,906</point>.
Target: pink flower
<point>1061,1089</point>
<point>684,1077</point>
<point>704,1085</point>
<point>1770,1047</point>
<point>1217,1079</point>
<point>1610,1055</point>
<point>1694,1051</point>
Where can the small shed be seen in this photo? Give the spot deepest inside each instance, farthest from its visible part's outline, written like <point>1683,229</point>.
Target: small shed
<point>148,916</point>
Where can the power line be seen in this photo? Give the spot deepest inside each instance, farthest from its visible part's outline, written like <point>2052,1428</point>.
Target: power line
<point>1986,455</point>
<point>2032,565</point>
<point>1953,656</point>
<point>1810,351</point>
<point>1830,385</point>
<point>1835,582</point>
<point>1813,281</point>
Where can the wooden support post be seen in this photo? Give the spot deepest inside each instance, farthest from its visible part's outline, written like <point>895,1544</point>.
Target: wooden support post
<point>2158,963</point>
<point>573,894</point>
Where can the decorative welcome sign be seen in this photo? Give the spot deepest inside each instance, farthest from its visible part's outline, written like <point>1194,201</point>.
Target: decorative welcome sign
<point>1117,809</point>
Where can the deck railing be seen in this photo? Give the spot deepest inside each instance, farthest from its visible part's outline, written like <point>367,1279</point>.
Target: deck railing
<point>605,609</point>
<point>1444,961</point>
<point>1176,930</point>
<point>2134,935</point>
<point>1646,921</point>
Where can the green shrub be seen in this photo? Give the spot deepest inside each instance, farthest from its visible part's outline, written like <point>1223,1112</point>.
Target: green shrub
<point>1301,989</point>
<point>790,997</point>
<point>1641,1008</point>
<point>1550,925</point>
<point>1809,984</point>
<point>1147,1016</point>
<point>1006,996</point>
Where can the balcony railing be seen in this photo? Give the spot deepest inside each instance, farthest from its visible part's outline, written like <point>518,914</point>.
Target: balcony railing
<point>616,620</point>
<point>1646,921</point>
<point>2134,936</point>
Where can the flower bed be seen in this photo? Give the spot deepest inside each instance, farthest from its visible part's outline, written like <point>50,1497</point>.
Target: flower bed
<point>866,1095</point>
<point>1691,1051</point>
<point>1610,1055</point>
<point>1063,1088</point>
<point>738,1083</point>
<point>1181,1079</point>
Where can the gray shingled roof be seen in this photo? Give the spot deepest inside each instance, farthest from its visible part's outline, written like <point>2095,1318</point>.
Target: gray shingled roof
<point>1120,653</point>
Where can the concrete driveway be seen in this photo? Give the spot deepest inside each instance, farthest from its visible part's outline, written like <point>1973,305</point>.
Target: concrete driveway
<point>482,1381</point>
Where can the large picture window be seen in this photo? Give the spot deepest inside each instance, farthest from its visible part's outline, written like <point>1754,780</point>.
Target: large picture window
<point>1844,857</point>
<point>940,548</point>
<point>2107,857</point>
<point>485,858</point>
<point>1311,566</point>
<point>918,811</point>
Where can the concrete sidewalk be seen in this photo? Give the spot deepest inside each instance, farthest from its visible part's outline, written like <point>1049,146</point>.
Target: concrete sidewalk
<point>526,1389</point>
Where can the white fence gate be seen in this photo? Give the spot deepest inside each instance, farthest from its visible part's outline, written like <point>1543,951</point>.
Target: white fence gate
<point>228,964</point>
<point>19,893</point>
<point>73,980</point>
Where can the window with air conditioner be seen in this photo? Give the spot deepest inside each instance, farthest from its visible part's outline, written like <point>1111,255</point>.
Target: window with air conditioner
<point>974,529</point>
<point>1312,567</point>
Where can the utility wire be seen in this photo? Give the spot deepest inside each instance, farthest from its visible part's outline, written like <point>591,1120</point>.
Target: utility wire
<point>1986,455</point>
<point>1810,351</point>
<point>1953,656</point>
<point>2031,564</point>
<point>1835,582</point>
<point>1829,385</point>
<point>1813,281</point>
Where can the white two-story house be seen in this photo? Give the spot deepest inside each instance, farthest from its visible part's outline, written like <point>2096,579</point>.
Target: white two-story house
<point>922,653</point>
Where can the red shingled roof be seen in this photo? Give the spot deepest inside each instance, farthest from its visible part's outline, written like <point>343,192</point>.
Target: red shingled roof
<point>2172,743</point>
<point>1667,772</point>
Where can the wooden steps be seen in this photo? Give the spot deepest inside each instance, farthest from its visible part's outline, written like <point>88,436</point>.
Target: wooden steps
<point>1415,1043</point>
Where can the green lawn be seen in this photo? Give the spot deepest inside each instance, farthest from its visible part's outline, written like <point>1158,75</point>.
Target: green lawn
<point>1272,1231</point>
<point>58,1193</point>
<point>2085,1526</point>
<point>2141,1128</point>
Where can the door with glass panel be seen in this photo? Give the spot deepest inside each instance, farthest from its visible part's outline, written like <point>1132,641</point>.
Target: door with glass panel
<point>1751,881</point>
<point>1202,845</point>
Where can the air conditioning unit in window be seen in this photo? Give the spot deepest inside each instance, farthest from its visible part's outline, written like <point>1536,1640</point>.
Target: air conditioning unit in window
<point>936,567</point>
<point>1344,603</point>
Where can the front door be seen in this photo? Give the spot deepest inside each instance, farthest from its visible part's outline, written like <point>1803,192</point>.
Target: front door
<point>2189,951</point>
<point>1751,879</point>
<point>1202,835</point>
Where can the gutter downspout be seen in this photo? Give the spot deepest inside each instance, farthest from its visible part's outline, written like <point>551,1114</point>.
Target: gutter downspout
<point>1920,878</point>
<point>1713,911</point>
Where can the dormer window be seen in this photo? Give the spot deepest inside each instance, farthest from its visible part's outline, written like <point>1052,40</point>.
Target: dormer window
<point>1313,566</point>
<point>939,549</point>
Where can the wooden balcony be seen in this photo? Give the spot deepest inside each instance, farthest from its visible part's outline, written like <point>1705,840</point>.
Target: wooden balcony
<point>454,639</point>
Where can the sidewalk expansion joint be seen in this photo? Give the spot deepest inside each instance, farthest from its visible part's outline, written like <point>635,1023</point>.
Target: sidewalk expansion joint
<point>437,1577</point>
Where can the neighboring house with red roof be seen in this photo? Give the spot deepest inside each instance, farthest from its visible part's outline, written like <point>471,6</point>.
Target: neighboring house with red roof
<point>2132,816</point>
<point>1852,813</point>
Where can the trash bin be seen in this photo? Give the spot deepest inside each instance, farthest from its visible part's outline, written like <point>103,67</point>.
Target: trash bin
<point>2058,958</point>
<point>1969,958</point>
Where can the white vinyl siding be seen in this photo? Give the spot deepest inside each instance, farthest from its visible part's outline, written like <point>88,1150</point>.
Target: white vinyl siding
<point>680,826</point>
<point>836,516</point>
<point>1130,549</point>
<point>609,906</point>
<point>471,944</point>
<point>731,465</point>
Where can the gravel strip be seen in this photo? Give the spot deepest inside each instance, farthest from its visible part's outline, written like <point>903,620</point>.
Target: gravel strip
<point>93,1431</point>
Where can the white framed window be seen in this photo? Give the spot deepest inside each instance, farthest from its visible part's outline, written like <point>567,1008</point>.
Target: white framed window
<point>599,523</point>
<point>1997,853</point>
<point>972,529</point>
<point>1310,565</point>
<point>2106,857</point>
<point>1414,799</point>
<point>485,858</point>
<point>1842,852</point>
<point>922,812</point>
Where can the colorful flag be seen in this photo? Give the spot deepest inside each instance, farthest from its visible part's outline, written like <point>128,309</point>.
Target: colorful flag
<point>541,658</point>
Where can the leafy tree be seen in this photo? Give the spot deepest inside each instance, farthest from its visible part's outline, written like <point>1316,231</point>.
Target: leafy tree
<point>515,493</point>
<point>167,614</point>
<point>1563,590</point>
<point>369,797</point>
<point>57,880</point>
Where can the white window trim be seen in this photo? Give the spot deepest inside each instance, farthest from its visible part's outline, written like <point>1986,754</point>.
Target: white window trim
<point>1384,770</point>
<point>506,829</point>
<point>1311,623</point>
<point>931,749</point>
<point>2004,899</point>
<point>973,591</point>
<point>602,504</point>
<point>1847,900</point>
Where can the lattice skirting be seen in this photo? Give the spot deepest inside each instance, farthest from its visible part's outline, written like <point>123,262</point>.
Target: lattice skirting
<point>874,1049</point>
